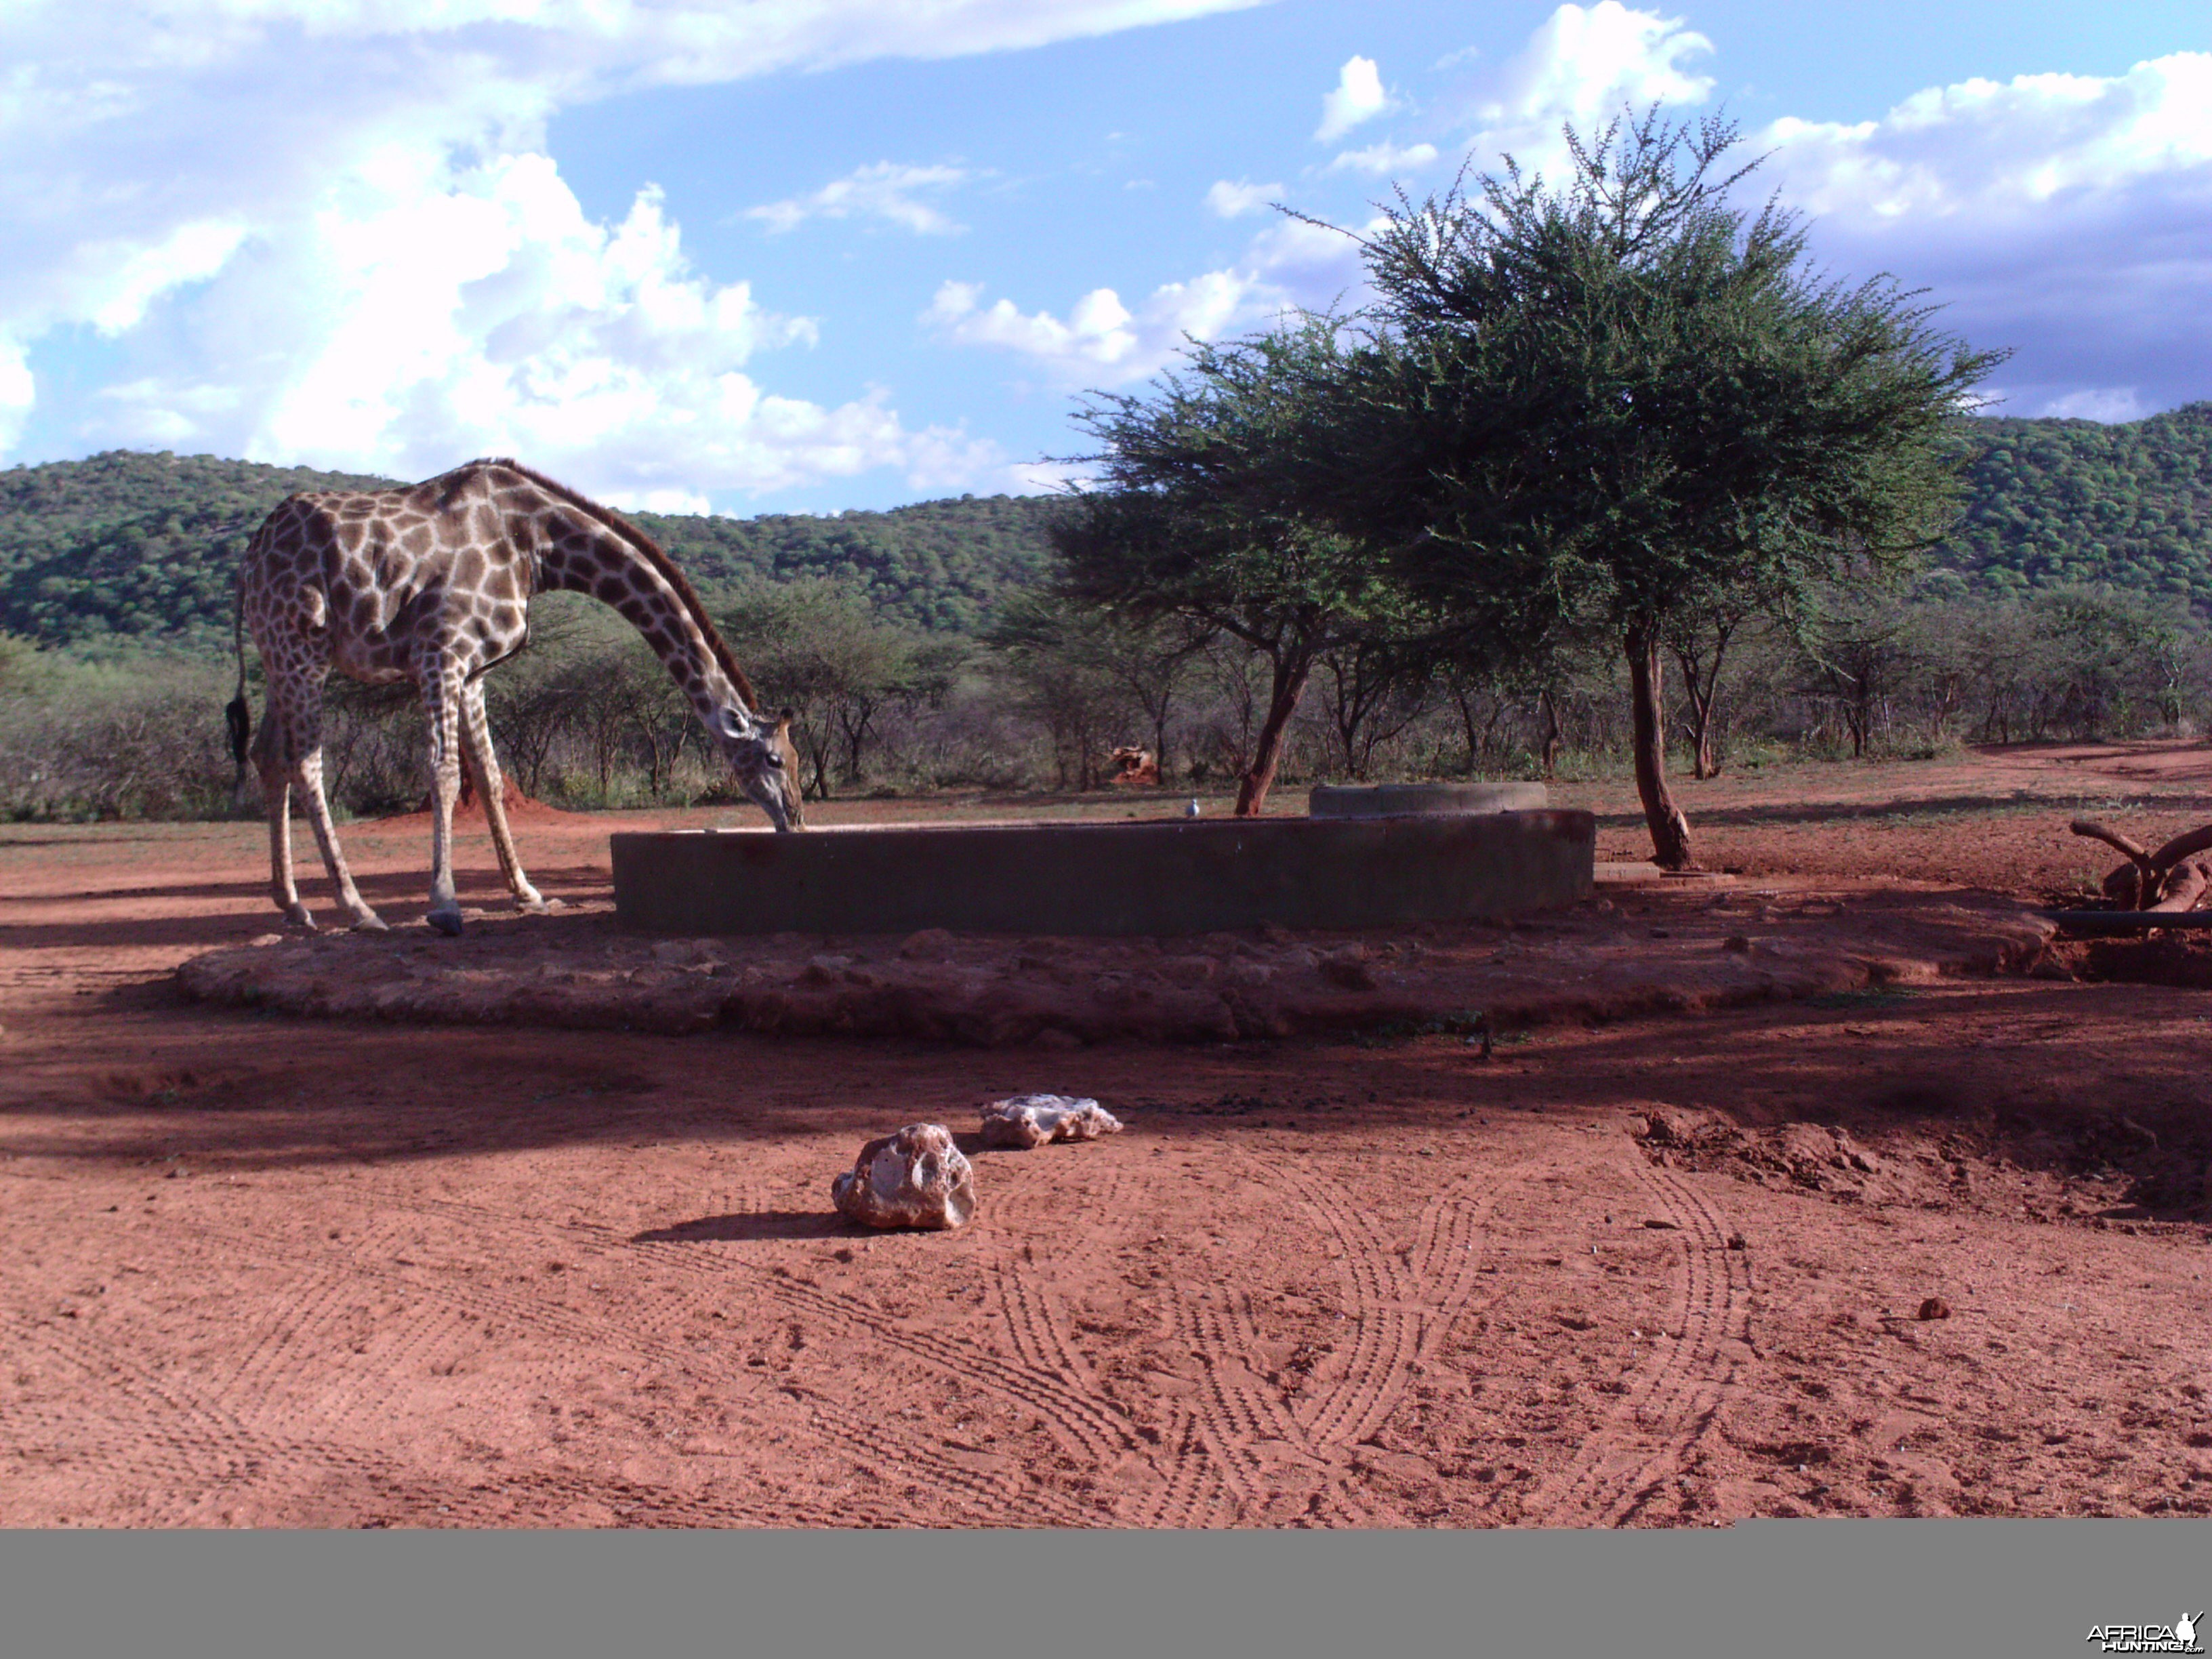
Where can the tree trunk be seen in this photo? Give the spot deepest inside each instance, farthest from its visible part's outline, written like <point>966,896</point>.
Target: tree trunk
<point>1670,831</point>
<point>1286,687</point>
<point>1554,740</point>
<point>1701,698</point>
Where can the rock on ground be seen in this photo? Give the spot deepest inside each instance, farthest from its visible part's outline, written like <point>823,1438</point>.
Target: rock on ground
<point>1026,1120</point>
<point>914,1178</point>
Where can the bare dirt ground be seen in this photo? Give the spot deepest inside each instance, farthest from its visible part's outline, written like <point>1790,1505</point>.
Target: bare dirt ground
<point>264,1269</point>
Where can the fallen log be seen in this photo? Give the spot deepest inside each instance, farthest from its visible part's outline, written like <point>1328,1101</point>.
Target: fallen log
<point>2173,879</point>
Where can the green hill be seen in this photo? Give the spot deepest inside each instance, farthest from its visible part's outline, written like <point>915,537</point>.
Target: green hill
<point>126,544</point>
<point>2059,503</point>
<point>132,544</point>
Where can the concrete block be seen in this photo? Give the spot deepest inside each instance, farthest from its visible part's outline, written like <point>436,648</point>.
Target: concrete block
<point>1159,877</point>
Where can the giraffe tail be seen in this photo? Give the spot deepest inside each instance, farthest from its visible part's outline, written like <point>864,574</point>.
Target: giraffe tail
<point>235,713</point>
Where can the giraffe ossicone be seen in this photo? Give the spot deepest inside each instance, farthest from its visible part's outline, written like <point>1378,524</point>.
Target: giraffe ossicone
<point>432,586</point>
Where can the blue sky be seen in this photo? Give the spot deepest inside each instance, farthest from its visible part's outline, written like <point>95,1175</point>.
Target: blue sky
<point>803,257</point>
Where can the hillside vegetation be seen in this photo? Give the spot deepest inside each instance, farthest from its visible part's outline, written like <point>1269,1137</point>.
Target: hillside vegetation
<point>2069,503</point>
<point>132,544</point>
<point>143,545</point>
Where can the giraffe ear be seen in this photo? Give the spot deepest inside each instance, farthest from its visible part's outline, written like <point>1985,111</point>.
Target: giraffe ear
<point>731,725</point>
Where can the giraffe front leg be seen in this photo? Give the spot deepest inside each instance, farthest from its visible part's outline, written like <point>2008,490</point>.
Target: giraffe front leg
<point>441,698</point>
<point>483,767</point>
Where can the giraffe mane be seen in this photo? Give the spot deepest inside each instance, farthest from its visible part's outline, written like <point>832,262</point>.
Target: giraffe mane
<point>651,551</point>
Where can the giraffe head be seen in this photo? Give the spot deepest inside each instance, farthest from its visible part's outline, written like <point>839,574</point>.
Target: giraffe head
<point>766,764</point>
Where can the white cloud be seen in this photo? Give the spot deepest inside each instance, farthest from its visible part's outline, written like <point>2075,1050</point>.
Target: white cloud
<point>2115,403</point>
<point>1582,65</point>
<point>325,232</point>
<point>1233,200</point>
<point>18,392</point>
<point>883,189</point>
<point>1101,341</point>
<point>1358,96</point>
<point>1384,159</point>
<point>2066,217</point>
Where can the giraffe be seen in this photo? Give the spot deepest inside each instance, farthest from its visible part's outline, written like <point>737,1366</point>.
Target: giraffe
<point>433,585</point>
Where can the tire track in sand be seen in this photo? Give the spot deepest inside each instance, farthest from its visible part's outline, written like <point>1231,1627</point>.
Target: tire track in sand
<point>1669,1406</point>
<point>1098,1431</point>
<point>336,1423</point>
<point>1403,1303</point>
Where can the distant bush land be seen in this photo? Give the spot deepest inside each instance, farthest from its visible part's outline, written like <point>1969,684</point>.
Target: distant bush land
<point>922,649</point>
<point>143,545</point>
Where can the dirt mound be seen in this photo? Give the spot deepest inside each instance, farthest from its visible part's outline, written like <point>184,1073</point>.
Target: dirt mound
<point>520,808</point>
<point>2094,1164</point>
<point>1604,961</point>
<point>2174,959</point>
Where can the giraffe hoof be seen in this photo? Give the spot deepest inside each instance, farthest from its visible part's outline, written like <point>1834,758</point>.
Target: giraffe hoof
<point>371,923</point>
<point>539,906</point>
<point>297,917</point>
<point>448,922</point>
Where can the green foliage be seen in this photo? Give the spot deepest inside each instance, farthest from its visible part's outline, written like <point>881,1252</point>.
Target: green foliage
<point>96,740</point>
<point>1611,403</point>
<point>943,566</point>
<point>1202,510</point>
<point>126,545</point>
<point>2062,503</point>
<point>819,648</point>
<point>1203,513</point>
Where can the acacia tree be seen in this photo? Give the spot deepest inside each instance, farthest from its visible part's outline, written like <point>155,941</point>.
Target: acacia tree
<point>1198,513</point>
<point>1599,407</point>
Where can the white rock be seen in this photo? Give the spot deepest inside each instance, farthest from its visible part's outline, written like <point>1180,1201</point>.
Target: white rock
<point>915,1178</point>
<point>1027,1120</point>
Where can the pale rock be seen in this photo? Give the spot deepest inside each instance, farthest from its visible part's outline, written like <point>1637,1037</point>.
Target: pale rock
<point>1026,1120</point>
<point>914,1178</point>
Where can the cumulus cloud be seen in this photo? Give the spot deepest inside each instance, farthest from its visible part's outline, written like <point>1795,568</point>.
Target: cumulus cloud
<point>1582,65</point>
<point>323,232</point>
<point>2066,217</point>
<point>1233,200</point>
<point>1358,96</point>
<point>885,190</point>
<point>1384,160</point>
<point>1101,342</point>
<point>2111,402</point>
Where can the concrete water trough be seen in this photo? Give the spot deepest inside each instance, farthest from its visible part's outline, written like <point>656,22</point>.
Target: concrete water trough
<point>1155,877</point>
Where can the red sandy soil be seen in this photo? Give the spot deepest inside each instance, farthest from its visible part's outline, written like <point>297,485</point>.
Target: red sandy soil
<point>1651,1270</point>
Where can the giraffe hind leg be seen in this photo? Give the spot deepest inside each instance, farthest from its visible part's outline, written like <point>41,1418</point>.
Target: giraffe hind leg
<point>276,801</point>
<point>442,698</point>
<point>309,773</point>
<point>483,768</point>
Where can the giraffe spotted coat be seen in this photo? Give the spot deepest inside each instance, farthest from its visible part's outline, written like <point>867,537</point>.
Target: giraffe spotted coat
<point>432,585</point>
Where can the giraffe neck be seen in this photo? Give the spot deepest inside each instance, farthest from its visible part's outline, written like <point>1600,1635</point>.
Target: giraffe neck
<point>596,561</point>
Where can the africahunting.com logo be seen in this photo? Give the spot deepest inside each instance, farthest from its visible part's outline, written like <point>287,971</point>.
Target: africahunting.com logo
<point>2180,1636</point>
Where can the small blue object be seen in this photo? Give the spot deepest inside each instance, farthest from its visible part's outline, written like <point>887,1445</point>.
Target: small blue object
<point>1191,811</point>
